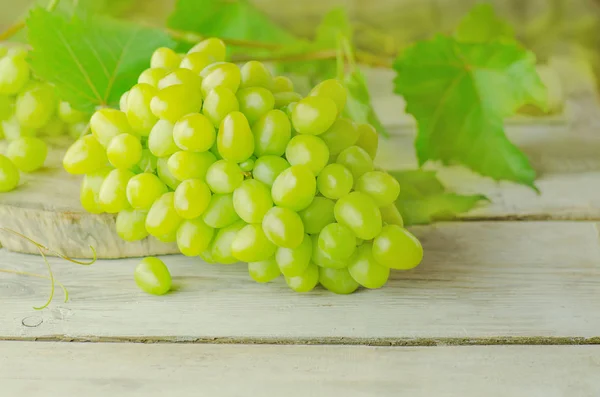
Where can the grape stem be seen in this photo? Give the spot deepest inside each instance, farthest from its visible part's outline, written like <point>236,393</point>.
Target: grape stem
<point>16,27</point>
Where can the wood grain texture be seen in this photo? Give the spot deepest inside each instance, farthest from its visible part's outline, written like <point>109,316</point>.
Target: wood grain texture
<point>478,281</point>
<point>131,370</point>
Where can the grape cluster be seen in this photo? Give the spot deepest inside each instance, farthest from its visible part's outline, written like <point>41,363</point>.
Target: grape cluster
<point>233,165</point>
<point>29,109</point>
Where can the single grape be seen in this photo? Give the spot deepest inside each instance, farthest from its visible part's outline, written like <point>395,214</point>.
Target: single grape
<point>170,237</point>
<point>248,165</point>
<point>85,155</point>
<point>219,103</point>
<point>235,140</point>
<point>294,188</point>
<point>332,89</point>
<point>283,99</point>
<point>252,200</point>
<point>173,102</point>
<point>196,62</point>
<point>152,276</point>
<point>220,212</point>
<point>221,245</point>
<point>163,172</point>
<point>368,139</point>
<point>356,160</point>
<point>36,105</point>
<point>337,241</point>
<point>359,213</point>
<point>305,282</point>
<point>194,237</point>
<point>55,127</point>
<point>89,194</point>
<point>251,245</point>
<point>143,190</point>
<point>267,169</point>
<point>212,48</point>
<point>396,248</point>
<point>27,153</point>
<point>255,74</point>
<point>124,151</point>
<point>160,140</point>
<point>69,115</point>
<point>14,74</point>
<point>272,132</point>
<point>335,181</point>
<point>381,186</point>
<point>152,76</point>
<point>341,135</point>
<point>321,259</point>
<point>11,129</point>
<point>224,176</point>
<point>294,261</point>
<point>307,150</point>
<point>338,281</point>
<point>7,107</point>
<point>283,227</point>
<point>181,77</point>
<point>282,84</point>
<point>9,174</point>
<point>131,225</point>
<point>165,58</point>
<point>317,215</point>
<point>189,165</point>
<point>162,219</point>
<point>123,102</point>
<point>365,270</point>
<point>108,123</point>
<point>113,192</point>
<point>140,116</point>
<point>263,271</point>
<point>220,74</point>
<point>192,198</point>
<point>194,133</point>
<point>255,102</point>
<point>391,216</point>
<point>314,115</point>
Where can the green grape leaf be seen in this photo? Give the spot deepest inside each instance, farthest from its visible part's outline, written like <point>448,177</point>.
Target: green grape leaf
<point>423,198</point>
<point>482,25</point>
<point>358,103</point>
<point>91,60</point>
<point>460,93</point>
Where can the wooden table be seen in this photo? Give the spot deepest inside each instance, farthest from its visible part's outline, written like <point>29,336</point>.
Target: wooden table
<point>506,303</point>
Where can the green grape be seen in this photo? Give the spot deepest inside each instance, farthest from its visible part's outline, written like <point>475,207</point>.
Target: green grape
<point>381,186</point>
<point>220,212</point>
<point>368,139</point>
<point>283,227</point>
<point>196,62</point>
<point>152,76</point>
<point>194,237</point>
<point>365,270</point>
<point>173,102</point>
<point>85,155</point>
<point>36,105</point>
<point>263,271</point>
<point>224,176</point>
<point>267,169</point>
<point>321,259</point>
<point>282,84</point>
<point>189,165</point>
<point>108,123</point>
<point>163,219</point>
<point>53,128</point>
<point>69,115</point>
<point>396,248</point>
<point>317,215</point>
<point>305,282</point>
<point>7,106</point>
<point>27,153</point>
<point>338,281</point>
<point>219,103</point>
<point>181,77</point>
<point>235,140</point>
<point>248,165</point>
<point>160,140</point>
<point>131,225</point>
<point>165,58</point>
<point>163,172</point>
<point>147,162</point>
<point>9,175</point>
<point>356,160</point>
<point>272,132</point>
<point>113,192</point>
<point>170,237</point>
<point>391,216</point>
<point>194,133</point>
<point>140,116</point>
<point>332,89</point>
<point>255,102</point>
<point>294,188</point>
<point>124,151</point>
<point>77,130</point>
<point>337,241</point>
<point>12,129</point>
<point>335,181</point>
<point>143,190</point>
<point>14,74</point>
<point>283,99</point>
<point>192,198</point>
<point>307,150</point>
<point>213,48</point>
<point>152,276</point>
<point>252,200</point>
<point>294,261</point>
<point>359,213</point>
<point>341,135</point>
<point>207,256</point>
<point>89,194</point>
<point>255,74</point>
<point>221,245</point>
<point>220,74</point>
<point>3,50</point>
<point>314,115</point>
<point>289,110</point>
<point>252,245</point>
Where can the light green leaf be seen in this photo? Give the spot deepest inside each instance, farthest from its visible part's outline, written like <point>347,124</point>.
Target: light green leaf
<point>92,60</point>
<point>482,25</point>
<point>358,105</point>
<point>460,95</point>
<point>423,199</point>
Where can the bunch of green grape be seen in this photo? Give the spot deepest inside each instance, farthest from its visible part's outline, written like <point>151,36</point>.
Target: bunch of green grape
<point>234,166</point>
<point>29,110</point>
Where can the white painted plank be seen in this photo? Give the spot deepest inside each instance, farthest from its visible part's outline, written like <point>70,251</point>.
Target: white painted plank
<point>131,370</point>
<point>479,280</point>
